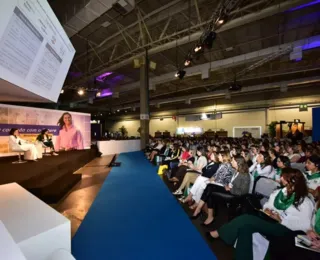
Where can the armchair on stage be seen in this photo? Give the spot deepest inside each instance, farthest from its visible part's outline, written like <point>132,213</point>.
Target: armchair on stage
<point>17,149</point>
<point>30,229</point>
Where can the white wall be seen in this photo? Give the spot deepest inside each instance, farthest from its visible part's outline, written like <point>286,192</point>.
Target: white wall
<point>228,121</point>
<point>291,114</point>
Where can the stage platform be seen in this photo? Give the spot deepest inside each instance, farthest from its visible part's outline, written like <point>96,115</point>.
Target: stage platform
<point>51,177</point>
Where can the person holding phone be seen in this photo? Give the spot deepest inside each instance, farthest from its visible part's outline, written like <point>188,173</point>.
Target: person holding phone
<point>288,209</point>
<point>284,247</point>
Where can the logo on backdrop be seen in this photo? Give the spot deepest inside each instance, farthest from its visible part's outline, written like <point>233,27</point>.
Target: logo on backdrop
<point>28,129</point>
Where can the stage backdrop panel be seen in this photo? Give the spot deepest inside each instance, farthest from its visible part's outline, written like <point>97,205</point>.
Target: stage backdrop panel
<point>30,121</point>
<point>35,51</point>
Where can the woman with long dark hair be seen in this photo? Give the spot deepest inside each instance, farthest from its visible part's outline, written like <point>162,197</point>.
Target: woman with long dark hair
<point>288,209</point>
<point>282,162</point>
<point>193,168</point>
<point>30,150</point>
<point>262,166</point>
<point>69,137</point>
<point>44,138</point>
<point>238,186</point>
<point>284,248</point>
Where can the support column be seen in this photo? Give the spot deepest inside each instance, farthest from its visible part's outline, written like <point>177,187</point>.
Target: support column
<point>144,101</point>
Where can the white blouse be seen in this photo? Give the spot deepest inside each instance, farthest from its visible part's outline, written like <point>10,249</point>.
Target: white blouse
<point>312,184</point>
<point>293,218</point>
<point>267,171</point>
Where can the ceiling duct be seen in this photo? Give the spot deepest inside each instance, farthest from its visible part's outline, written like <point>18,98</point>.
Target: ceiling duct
<point>93,10</point>
<point>124,6</point>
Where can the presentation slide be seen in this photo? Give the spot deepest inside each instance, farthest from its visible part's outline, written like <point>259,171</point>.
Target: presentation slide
<point>31,121</point>
<point>35,51</point>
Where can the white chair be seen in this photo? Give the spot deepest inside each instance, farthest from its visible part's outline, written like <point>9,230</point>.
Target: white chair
<point>45,150</point>
<point>264,187</point>
<point>18,150</point>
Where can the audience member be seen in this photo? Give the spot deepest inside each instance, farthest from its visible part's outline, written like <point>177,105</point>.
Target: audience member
<point>283,213</point>
<point>262,166</point>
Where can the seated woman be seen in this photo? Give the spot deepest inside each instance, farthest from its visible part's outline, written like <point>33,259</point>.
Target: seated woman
<point>282,162</point>
<point>193,168</point>
<point>313,175</point>
<point>273,157</point>
<point>262,166</point>
<point>288,209</point>
<point>284,248</point>
<point>200,182</point>
<point>159,148</point>
<point>30,150</point>
<point>174,156</point>
<point>238,186</point>
<point>198,179</point>
<point>46,140</point>
<point>293,154</point>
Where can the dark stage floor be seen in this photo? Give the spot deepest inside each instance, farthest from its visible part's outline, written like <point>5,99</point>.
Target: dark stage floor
<point>49,178</point>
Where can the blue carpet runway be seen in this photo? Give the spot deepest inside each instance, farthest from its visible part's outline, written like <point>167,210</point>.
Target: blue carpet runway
<point>134,216</point>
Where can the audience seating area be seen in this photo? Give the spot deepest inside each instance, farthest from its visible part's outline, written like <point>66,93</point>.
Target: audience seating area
<point>270,166</point>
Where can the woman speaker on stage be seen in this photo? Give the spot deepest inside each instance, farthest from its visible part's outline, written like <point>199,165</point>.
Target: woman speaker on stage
<point>45,139</point>
<point>30,150</point>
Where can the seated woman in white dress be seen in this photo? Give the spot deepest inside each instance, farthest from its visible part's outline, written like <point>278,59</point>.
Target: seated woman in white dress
<point>30,150</point>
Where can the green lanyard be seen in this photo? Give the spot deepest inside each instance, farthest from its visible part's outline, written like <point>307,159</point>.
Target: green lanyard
<point>313,176</point>
<point>282,202</point>
<point>317,224</point>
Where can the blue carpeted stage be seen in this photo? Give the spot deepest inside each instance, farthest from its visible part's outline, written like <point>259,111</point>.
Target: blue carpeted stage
<point>135,217</point>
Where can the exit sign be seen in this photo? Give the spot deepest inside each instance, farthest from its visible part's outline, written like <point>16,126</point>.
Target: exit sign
<point>303,107</point>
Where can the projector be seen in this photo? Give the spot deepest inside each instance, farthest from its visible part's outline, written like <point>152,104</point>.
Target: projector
<point>235,87</point>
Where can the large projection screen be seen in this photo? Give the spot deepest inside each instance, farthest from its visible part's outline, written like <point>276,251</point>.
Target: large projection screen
<point>35,52</point>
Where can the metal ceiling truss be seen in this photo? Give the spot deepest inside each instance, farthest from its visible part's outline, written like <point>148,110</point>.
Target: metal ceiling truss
<point>281,52</point>
<point>163,39</point>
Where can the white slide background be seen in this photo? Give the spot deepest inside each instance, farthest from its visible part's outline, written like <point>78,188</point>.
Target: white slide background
<point>35,52</point>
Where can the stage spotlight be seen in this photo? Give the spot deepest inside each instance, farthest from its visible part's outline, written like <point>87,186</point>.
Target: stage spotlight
<point>209,39</point>
<point>235,87</point>
<point>187,62</point>
<point>222,19</point>
<point>80,92</point>
<point>62,91</point>
<point>98,94</point>
<point>198,48</point>
<point>180,74</point>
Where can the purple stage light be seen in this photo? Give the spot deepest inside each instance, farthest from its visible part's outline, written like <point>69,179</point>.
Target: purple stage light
<point>311,45</point>
<point>304,6</point>
<point>103,76</point>
<point>105,93</point>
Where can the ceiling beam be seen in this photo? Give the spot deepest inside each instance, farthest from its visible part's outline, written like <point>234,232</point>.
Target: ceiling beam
<point>222,93</point>
<point>267,12</point>
<point>221,64</point>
